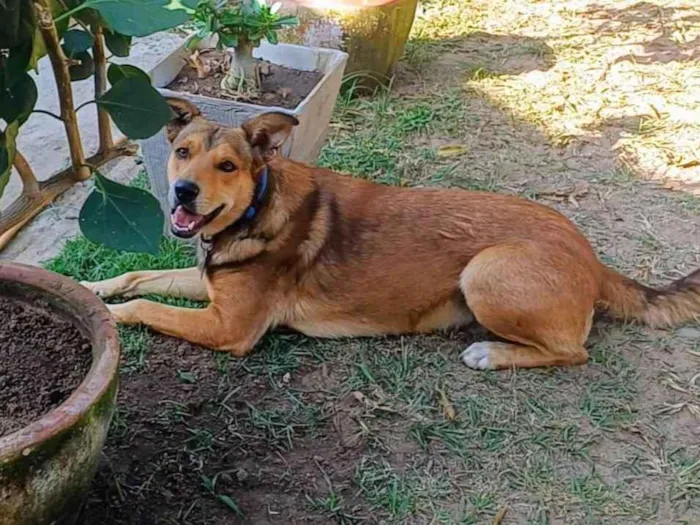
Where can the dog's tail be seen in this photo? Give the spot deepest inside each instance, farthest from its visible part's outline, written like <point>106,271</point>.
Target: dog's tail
<point>676,303</point>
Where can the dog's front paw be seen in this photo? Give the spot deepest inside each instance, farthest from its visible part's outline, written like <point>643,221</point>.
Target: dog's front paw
<point>97,288</point>
<point>109,287</point>
<point>477,356</point>
<point>124,313</point>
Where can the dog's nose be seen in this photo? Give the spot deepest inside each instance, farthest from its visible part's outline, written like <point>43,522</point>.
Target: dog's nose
<point>186,191</point>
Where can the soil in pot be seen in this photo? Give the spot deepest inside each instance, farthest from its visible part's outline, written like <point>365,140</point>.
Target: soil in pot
<point>43,359</point>
<point>280,86</point>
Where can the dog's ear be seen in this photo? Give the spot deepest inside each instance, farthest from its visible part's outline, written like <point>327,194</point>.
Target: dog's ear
<point>267,132</point>
<point>184,112</point>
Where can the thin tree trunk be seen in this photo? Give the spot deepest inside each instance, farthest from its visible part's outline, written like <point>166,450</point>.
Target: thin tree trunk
<point>243,66</point>
<point>63,86</point>
<point>104,125</point>
<point>29,182</point>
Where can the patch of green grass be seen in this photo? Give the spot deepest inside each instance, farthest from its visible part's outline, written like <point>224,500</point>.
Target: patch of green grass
<point>400,372</point>
<point>280,426</point>
<point>413,490</point>
<point>134,341</point>
<point>376,136</point>
<point>334,508</point>
<point>276,356</point>
<point>385,488</point>
<point>84,260</point>
<point>141,181</point>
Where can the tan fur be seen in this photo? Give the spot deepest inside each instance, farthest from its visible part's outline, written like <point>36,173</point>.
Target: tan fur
<point>331,255</point>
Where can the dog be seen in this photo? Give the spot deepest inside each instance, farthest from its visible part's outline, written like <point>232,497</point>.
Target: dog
<point>328,255</point>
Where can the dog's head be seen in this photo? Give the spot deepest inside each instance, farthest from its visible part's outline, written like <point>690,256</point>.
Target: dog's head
<point>214,170</point>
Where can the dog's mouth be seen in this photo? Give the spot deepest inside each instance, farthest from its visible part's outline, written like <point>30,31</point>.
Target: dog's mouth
<point>186,224</point>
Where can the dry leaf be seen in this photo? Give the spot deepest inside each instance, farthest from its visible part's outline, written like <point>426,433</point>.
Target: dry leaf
<point>199,65</point>
<point>451,150</point>
<point>448,410</point>
<point>498,518</point>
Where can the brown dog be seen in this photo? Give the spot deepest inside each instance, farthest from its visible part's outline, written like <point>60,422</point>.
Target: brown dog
<point>333,256</point>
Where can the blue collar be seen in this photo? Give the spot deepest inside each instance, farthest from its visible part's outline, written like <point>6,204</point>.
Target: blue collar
<point>248,216</point>
<point>260,192</point>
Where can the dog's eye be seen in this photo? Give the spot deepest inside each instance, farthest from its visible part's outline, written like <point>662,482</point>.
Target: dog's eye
<point>227,166</point>
<point>182,153</point>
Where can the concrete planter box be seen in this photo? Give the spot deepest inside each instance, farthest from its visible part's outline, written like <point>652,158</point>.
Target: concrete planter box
<point>314,112</point>
<point>46,467</point>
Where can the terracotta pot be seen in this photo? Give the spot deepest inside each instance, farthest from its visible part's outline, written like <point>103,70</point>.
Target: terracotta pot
<point>372,32</point>
<point>46,467</point>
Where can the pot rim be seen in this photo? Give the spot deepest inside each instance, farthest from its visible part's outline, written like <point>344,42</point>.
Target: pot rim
<point>102,333</point>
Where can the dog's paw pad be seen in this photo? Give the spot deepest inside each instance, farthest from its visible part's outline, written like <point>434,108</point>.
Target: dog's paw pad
<point>476,356</point>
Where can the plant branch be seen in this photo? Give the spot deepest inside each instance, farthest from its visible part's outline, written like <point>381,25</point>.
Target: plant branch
<point>43,112</point>
<point>63,85</point>
<point>29,183</point>
<point>104,125</point>
<point>28,205</point>
<point>81,106</point>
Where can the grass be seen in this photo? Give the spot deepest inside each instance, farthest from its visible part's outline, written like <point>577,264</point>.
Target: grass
<point>500,97</point>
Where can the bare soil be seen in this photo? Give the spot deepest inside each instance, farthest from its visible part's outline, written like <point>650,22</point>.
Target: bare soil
<point>280,86</point>
<point>42,360</point>
<point>190,408</point>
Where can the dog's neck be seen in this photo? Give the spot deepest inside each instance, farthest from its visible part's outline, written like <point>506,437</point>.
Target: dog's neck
<point>280,192</point>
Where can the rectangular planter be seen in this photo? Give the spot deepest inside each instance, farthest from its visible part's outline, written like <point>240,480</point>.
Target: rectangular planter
<point>314,112</point>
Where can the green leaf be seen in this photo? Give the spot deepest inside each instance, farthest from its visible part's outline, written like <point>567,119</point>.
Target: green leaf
<point>137,109</point>
<point>193,41</point>
<point>186,377</point>
<point>118,72</point>
<point>119,45</point>
<point>18,62</point>
<point>122,217</point>
<point>76,41</point>
<point>84,68</point>
<point>228,40</point>
<point>18,100</point>
<point>226,500</point>
<point>139,17</point>
<point>8,147</point>
<point>17,23</point>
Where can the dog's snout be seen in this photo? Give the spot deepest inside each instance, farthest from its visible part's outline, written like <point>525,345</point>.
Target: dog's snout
<point>186,191</point>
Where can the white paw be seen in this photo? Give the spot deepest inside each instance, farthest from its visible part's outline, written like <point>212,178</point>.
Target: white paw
<point>100,289</point>
<point>476,356</point>
<point>123,313</point>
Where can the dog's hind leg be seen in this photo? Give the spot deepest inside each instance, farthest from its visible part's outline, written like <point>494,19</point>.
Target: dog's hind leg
<point>538,297</point>
<point>187,284</point>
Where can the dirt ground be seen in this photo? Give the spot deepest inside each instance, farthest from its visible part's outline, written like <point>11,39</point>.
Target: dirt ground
<point>590,107</point>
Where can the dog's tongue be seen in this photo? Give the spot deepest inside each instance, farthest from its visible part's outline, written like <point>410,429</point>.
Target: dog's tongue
<point>185,220</point>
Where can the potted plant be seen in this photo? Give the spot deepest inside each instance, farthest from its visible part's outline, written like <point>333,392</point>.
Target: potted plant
<point>57,415</point>
<point>232,68</point>
<point>372,32</point>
